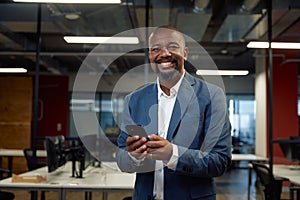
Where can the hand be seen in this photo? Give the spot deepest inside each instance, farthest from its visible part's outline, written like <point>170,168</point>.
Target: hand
<point>159,148</point>
<point>136,146</point>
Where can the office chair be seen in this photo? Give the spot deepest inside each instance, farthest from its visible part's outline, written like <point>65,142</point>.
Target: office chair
<point>6,195</point>
<point>272,186</point>
<point>294,189</point>
<point>32,164</point>
<point>127,198</point>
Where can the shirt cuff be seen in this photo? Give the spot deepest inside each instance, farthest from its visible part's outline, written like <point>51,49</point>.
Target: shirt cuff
<point>138,162</point>
<point>171,164</point>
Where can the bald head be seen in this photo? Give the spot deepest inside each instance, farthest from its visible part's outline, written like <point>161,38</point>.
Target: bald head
<point>166,30</point>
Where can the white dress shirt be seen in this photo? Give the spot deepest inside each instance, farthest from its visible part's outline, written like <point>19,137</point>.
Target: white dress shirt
<point>165,108</point>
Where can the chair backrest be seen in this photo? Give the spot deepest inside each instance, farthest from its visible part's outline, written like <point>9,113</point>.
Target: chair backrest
<point>264,173</point>
<point>6,195</point>
<point>32,162</point>
<point>272,186</point>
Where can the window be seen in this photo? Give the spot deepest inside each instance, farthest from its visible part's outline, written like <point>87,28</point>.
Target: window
<point>242,118</point>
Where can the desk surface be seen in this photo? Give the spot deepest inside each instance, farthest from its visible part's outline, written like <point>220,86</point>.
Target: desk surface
<point>20,153</point>
<point>284,171</point>
<point>95,178</point>
<point>248,157</point>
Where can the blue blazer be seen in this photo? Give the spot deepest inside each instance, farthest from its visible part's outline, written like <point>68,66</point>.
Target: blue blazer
<point>199,126</point>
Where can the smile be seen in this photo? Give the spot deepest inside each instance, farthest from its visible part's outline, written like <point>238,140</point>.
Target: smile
<point>166,64</point>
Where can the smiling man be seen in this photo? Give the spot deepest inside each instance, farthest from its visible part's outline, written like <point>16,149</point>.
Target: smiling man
<point>187,124</point>
<point>167,53</point>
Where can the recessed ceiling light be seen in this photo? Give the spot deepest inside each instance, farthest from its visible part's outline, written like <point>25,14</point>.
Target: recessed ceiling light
<point>222,72</point>
<point>101,40</point>
<point>71,1</point>
<point>72,16</point>
<point>224,51</point>
<point>13,70</point>
<point>274,45</point>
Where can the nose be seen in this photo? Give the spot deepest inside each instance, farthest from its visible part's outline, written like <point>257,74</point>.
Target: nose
<point>165,52</point>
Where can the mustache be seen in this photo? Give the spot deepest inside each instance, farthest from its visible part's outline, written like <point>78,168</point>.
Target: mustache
<point>166,59</point>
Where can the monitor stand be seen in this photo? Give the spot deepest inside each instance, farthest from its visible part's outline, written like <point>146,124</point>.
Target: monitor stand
<point>75,173</point>
<point>75,157</point>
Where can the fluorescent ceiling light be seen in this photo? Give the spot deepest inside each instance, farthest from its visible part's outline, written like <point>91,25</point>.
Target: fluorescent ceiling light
<point>274,45</point>
<point>71,1</point>
<point>222,72</point>
<point>82,101</point>
<point>13,70</point>
<point>102,40</point>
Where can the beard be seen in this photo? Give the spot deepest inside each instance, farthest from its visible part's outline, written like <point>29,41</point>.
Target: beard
<point>169,74</point>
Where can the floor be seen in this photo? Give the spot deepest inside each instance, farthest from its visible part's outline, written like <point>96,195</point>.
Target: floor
<point>234,186</point>
<point>231,186</point>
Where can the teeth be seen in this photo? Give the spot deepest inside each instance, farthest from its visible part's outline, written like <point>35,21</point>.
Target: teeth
<point>166,63</point>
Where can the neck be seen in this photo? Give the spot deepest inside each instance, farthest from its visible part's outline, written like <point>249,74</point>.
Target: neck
<point>166,85</point>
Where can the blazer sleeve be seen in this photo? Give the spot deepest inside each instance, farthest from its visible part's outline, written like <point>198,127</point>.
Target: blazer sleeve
<point>213,157</point>
<point>125,163</point>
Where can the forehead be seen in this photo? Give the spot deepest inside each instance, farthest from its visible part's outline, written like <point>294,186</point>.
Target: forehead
<point>165,36</point>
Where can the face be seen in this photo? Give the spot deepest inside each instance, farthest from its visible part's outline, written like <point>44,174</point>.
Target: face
<point>167,53</point>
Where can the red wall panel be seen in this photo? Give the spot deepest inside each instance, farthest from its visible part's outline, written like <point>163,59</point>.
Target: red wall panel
<point>285,98</point>
<point>53,105</point>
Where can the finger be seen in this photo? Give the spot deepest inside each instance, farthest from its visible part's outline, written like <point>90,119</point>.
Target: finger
<point>130,143</point>
<point>135,144</point>
<point>142,155</point>
<point>140,152</point>
<point>140,149</point>
<point>163,153</point>
<point>155,137</point>
<point>156,144</point>
<point>131,140</point>
<point>152,150</point>
<point>139,143</point>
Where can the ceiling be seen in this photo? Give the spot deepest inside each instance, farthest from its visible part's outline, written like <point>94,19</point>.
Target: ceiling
<point>222,27</point>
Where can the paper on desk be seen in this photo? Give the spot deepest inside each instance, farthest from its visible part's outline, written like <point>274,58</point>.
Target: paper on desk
<point>27,179</point>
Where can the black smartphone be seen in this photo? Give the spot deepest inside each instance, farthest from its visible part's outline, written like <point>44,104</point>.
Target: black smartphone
<point>136,130</point>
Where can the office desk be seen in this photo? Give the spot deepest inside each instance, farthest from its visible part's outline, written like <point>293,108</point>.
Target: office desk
<point>105,179</point>
<point>292,175</point>
<point>285,172</point>
<point>10,153</point>
<point>250,158</point>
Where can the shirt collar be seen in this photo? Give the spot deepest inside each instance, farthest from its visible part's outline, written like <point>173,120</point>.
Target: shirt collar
<point>173,90</point>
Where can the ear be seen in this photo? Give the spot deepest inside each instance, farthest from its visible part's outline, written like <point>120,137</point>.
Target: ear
<point>185,53</point>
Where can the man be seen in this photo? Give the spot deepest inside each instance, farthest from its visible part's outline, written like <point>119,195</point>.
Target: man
<point>188,129</point>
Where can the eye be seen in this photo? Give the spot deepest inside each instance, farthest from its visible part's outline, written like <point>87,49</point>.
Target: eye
<point>173,47</point>
<point>155,49</point>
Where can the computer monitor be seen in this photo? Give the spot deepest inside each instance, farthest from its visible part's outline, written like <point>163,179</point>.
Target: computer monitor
<point>56,156</point>
<point>58,153</point>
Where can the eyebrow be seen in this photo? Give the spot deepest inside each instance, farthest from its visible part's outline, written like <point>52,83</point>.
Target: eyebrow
<point>167,44</point>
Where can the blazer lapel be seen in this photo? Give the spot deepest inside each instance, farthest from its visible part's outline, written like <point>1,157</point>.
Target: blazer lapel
<point>151,110</point>
<point>184,96</point>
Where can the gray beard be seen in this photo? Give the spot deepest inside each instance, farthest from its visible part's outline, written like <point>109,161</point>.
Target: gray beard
<point>167,76</point>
